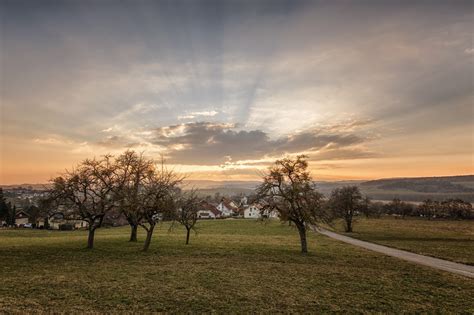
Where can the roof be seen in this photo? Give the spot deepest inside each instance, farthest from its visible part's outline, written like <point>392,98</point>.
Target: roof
<point>228,204</point>
<point>204,205</point>
<point>21,214</point>
<point>254,204</point>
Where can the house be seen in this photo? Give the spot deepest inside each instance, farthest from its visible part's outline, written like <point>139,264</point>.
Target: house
<point>21,217</point>
<point>252,211</point>
<point>208,211</point>
<point>57,220</point>
<point>228,208</point>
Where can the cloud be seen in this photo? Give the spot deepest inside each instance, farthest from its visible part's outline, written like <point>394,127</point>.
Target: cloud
<point>207,143</point>
<point>193,115</point>
<point>469,51</point>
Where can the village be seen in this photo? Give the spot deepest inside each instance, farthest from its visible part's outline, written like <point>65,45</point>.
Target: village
<point>27,214</point>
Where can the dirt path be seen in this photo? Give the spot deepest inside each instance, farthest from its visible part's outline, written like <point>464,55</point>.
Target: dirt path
<point>437,263</point>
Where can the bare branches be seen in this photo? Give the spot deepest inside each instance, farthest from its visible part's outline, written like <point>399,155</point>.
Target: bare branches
<point>187,211</point>
<point>87,192</point>
<point>288,189</point>
<point>345,203</point>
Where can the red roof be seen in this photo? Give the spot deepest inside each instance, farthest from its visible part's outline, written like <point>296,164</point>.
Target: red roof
<point>228,205</point>
<point>204,205</point>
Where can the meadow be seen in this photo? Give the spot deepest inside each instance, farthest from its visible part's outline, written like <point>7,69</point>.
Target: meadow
<point>230,266</point>
<point>447,239</point>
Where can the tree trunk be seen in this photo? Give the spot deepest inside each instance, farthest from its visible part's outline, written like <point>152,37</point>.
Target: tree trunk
<point>149,234</point>
<point>90,239</point>
<point>133,232</point>
<point>349,225</point>
<point>302,231</point>
<point>187,236</point>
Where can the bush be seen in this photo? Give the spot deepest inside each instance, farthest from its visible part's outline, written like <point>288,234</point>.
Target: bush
<point>66,227</point>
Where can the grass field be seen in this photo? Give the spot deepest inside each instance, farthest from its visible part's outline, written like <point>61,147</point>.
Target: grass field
<point>230,266</point>
<point>451,240</point>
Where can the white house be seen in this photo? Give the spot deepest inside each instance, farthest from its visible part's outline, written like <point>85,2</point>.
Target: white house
<point>208,211</point>
<point>55,223</point>
<point>252,212</point>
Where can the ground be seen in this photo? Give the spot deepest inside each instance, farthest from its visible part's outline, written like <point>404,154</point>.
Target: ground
<point>447,239</point>
<point>230,266</point>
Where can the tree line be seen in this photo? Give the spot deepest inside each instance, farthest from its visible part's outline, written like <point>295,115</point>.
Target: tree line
<point>451,208</point>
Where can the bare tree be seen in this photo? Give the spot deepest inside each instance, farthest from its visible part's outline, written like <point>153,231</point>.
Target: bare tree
<point>288,189</point>
<point>346,202</point>
<point>86,193</point>
<point>187,210</point>
<point>133,169</point>
<point>160,189</point>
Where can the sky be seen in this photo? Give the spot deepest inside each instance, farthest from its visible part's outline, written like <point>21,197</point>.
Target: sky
<point>221,89</point>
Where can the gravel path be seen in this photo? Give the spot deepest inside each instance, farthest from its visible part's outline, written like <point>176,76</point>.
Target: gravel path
<point>437,263</point>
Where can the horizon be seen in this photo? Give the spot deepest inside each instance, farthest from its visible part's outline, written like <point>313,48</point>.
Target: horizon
<point>257,180</point>
<point>368,90</point>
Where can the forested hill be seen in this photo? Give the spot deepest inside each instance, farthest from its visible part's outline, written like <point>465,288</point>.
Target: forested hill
<point>420,188</point>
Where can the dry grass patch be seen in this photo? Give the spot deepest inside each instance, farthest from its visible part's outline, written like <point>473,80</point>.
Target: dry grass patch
<point>230,266</point>
<point>447,239</point>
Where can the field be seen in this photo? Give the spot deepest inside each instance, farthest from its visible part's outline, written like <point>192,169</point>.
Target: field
<point>230,266</point>
<point>447,239</point>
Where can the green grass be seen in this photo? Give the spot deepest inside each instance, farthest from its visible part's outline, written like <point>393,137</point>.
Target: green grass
<point>230,266</point>
<point>447,239</point>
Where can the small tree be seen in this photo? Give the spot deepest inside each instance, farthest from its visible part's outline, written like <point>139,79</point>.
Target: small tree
<point>4,208</point>
<point>34,214</point>
<point>86,193</point>
<point>455,209</point>
<point>158,201</point>
<point>187,211</point>
<point>368,209</point>
<point>45,204</point>
<point>345,202</point>
<point>11,214</point>
<point>289,189</point>
<point>428,208</point>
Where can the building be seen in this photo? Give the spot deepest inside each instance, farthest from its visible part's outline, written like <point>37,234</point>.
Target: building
<point>208,211</point>
<point>21,217</point>
<point>57,220</point>
<point>228,208</point>
<point>252,211</point>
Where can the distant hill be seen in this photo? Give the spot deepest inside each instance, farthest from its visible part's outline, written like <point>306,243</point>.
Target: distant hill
<point>209,184</point>
<point>421,188</point>
<point>408,189</point>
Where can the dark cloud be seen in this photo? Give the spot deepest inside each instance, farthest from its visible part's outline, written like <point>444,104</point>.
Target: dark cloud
<point>208,143</point>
